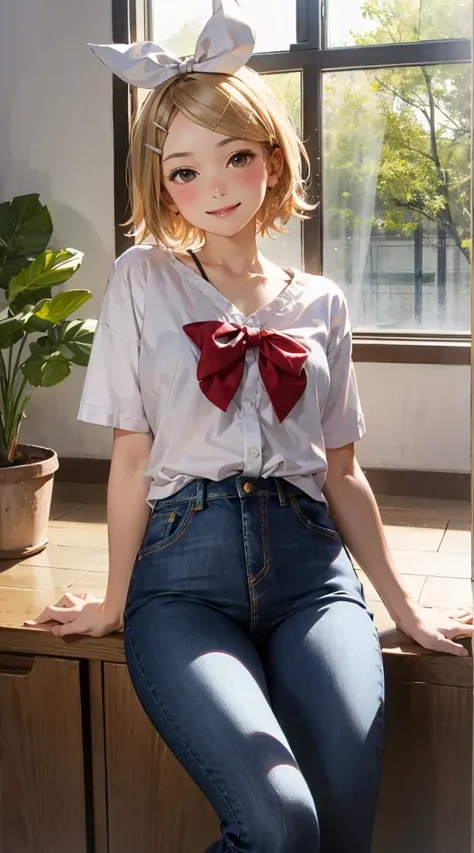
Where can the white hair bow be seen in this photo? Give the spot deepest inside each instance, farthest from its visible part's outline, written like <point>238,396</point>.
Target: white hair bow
<point>225,45</point>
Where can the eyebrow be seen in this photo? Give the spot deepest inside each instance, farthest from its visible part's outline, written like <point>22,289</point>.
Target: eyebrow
<point>220,144</point>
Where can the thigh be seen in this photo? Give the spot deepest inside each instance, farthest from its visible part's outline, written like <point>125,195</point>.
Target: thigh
<point>201,683</point>
<point>325,677</point>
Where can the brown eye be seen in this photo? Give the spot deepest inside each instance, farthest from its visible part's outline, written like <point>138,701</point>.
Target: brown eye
<point>241,158</point>
<point>185,176</point>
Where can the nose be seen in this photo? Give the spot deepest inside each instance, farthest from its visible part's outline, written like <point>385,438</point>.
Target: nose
<point>219,190</point>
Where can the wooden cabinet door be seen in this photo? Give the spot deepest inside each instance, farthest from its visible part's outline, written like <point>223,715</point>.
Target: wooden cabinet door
<point>152,803</point>
<point>425,802</point>
<point>42,799</point>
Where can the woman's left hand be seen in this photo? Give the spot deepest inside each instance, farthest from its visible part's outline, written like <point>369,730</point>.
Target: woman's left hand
<point>435,629</point>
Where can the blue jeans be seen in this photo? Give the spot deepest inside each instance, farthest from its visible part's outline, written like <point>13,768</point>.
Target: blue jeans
<point>253,653</point>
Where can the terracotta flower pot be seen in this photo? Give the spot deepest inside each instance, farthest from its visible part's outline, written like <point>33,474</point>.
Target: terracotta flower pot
<point>25,500</point>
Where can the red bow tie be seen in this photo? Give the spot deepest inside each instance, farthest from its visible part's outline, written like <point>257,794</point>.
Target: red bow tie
<point>221,365</point>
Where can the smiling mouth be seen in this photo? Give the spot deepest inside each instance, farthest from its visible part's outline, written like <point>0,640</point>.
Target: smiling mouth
<point>221,211</point>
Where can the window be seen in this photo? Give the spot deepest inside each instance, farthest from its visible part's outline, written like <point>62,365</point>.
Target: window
<point>382,90</point>
<point>359,22</point>
<point>177,25</point>
<point>386,94</point>
<point>396,218</point>
<point>286,248</point>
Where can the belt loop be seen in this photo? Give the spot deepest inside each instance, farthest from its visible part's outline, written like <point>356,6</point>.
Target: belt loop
<point>199,494</point>
<point>281,492</point>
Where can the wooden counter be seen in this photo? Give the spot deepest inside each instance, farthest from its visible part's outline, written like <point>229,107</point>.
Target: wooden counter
<point>84,771</point>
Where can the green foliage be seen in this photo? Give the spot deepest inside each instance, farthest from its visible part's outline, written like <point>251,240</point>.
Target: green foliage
<point>183,42</point>
<point>406,128</point>
<point>32,315</point>
<point>287,88</point>
<point>401,21</point>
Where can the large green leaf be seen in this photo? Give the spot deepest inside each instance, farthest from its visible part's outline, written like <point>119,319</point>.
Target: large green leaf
<point>29,301</point>
<point>11,267</point>
<point>50,269</point>
<point>74,330</point>
<point>25,231</point>
<point>12,330</point>
<point>42,346</point>
<point>62,305</point>
<point>36,324</point>
<point>22,304</point>
<point>75,340</point>
<point>46,370</point>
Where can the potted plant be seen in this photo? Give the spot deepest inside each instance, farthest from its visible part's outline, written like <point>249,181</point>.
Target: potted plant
<point>38,345</point>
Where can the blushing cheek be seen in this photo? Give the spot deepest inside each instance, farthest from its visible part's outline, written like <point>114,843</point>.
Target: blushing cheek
<point>250,179</point>
<point>186,196</point>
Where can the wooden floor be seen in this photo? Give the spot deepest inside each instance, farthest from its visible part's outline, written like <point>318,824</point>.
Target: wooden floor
<point>430,540</point>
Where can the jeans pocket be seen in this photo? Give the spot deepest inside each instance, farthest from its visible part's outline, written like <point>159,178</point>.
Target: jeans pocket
<point>166,525</point>
<point>313,514</point>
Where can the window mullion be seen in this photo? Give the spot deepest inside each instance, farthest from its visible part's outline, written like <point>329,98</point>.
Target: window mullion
<point>308,25</point>
<point>444,51</point>
<point>312,231</point>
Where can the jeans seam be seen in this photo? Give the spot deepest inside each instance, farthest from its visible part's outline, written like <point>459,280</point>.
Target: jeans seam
<point>184,744</point>
<point>252,599</point>
<point>265,540</point>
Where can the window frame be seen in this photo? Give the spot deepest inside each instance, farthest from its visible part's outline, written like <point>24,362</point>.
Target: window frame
<point>132,20</point>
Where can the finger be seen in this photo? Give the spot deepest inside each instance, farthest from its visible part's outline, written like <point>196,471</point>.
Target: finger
<point>53,613</point>
<point>450,648</point>
<point>68,600</point>
<point>461,615</point>
<point>458,630</point>
<point>45,616</point>
<point>66,629</point>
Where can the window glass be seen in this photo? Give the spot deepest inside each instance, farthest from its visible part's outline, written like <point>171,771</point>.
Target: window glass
<point>396,195</point>
<point>286,249</point>
<point>355,22</point>
<point>177,25</point>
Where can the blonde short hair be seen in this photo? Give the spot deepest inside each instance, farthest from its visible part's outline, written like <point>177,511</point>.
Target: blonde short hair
<point>241,105</point>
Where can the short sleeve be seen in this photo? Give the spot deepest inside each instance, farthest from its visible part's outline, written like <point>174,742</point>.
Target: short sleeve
<point>342,419</point>
<point>111,394</point>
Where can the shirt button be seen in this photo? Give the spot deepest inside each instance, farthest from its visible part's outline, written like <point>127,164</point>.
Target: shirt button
<point>247,404</point>
<point>254,452</point>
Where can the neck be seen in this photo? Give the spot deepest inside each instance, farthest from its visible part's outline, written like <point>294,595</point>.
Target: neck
<point>238,254</point>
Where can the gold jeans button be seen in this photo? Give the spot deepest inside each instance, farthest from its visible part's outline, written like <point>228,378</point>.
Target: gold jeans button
<point>248,487</point>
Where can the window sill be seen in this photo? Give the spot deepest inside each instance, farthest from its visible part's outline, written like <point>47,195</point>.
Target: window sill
<point>412,349</point>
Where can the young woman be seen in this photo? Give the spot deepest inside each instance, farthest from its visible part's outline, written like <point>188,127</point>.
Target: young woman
<point>234,488</point>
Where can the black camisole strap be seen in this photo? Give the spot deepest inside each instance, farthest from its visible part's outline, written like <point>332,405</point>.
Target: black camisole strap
<point>201,269</point>
<point>198,264</point>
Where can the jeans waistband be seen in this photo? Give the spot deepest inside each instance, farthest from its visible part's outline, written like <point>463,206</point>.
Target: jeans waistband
<point>203,490</point>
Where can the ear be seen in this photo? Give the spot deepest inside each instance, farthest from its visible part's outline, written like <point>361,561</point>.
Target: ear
<point>275,167</point>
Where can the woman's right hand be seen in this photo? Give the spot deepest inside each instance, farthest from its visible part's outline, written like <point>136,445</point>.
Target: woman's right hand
<point>79,614</point>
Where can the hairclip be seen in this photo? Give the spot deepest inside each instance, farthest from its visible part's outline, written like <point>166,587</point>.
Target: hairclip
<point>223,47</point>
<point>153,148</point>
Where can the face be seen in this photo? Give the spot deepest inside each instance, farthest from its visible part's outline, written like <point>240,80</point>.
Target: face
<point>217,183</point>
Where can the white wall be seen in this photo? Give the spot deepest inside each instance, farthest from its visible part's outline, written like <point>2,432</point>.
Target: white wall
<point>56,139</point>
<point>417,416</point>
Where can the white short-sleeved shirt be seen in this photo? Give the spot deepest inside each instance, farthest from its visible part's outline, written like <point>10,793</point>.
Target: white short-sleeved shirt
<point>142,377</point>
